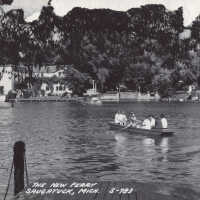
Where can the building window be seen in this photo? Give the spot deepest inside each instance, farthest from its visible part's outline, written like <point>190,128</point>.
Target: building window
<point>57,88</point>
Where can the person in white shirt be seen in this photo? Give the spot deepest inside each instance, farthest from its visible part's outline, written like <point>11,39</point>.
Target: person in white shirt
<point>152,121</point>
<point>117,116</point>
<point>123,119</point>
<point>146,123</point>
<point>120,118</point>
<point>163,121</point>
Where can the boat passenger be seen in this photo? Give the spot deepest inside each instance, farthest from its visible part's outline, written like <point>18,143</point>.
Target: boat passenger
<point>152,121</point>
<point>158,122</point>
<point>117,117</point>
<point>146,123</point>
<point>163,121</point>
<point>132,121</point>
<point>123,119</point>
<point>132,117</point>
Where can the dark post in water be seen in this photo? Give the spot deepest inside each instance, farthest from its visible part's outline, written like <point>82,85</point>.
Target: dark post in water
<point>19,151</point>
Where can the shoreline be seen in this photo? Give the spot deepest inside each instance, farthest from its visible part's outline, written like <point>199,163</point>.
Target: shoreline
<point>81,99</point>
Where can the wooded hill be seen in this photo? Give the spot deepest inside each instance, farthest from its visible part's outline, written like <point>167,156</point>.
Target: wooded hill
<point>139,47</point>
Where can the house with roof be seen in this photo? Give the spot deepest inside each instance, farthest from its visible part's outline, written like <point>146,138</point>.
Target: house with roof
<point>56,89</point>
<point>51,78</point>
<point>6,80</point>
<point>186,34</point>
<point>48,72</point>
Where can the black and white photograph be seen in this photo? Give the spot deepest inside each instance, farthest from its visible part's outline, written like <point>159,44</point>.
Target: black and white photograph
<point>99,100</point>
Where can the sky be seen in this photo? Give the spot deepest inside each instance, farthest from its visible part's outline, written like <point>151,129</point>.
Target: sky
<point>191,8</point>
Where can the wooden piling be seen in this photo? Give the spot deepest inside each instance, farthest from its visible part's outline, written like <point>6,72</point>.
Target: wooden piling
<point>18,160</point>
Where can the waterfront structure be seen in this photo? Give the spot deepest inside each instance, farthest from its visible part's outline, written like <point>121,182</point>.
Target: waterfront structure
<point>110,96</point>
<point>186,34</point>
<point>56,89</point>
<point>129,96</point>
<point>48,72</point>
<point>92,91</point>
<point>190,93</point>
<point>148,96</point>
<point>6,81</point>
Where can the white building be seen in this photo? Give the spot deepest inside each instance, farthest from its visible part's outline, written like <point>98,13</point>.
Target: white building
<point>48,72</point>
<point>6,79</point>
<point>186,34</point>
<point>56,89</point>
<point>59,74</point>
<point>92,91</point>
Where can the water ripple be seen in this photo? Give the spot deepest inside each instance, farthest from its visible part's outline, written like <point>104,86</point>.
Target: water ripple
<point>64,140</point>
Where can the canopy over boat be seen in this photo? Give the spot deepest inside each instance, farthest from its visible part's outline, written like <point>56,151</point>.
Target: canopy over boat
<point>133,130</point>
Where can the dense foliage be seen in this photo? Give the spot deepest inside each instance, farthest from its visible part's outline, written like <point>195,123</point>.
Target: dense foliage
<point>139,48</point>
<point>4,2</point>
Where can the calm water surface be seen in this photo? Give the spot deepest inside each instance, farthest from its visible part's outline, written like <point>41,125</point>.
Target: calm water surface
<point>65,139</point>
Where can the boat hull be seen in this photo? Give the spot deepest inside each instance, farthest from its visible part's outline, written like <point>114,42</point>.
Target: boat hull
<point>132,130</point>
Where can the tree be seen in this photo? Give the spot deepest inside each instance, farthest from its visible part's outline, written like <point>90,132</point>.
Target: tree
<point>76,81</point>
<point>6,2</point>
<point>130,48</point>
<point>162,82</point>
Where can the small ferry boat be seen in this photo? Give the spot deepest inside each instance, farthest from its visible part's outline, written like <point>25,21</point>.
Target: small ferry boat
<point>146,132</point>
<point>90,101</point>
<point>95,101</point>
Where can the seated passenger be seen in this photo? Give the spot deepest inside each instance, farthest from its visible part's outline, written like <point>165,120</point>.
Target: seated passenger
<point>132,117</point>
<point>146,123</point>
<point>117,116</point>
<point>163,121</point>
<point>132,121</point>
<point>152,121</point>
<point>123,119</point>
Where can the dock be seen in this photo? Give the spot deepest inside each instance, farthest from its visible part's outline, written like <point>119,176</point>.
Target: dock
<point>42,99</point>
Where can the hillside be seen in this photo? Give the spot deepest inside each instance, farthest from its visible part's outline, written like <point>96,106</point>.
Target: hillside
<point>139,47</point>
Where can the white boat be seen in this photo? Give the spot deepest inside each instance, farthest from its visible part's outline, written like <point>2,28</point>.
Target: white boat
<point>95,101</point>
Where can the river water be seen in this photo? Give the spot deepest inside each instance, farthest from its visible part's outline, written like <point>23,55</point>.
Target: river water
<point>73,140</point>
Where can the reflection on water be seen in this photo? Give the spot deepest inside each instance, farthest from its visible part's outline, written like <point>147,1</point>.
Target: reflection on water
<point>164,145</point>
<point>121,145</point>
<point>66,140</point>
<point>148,142</point>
